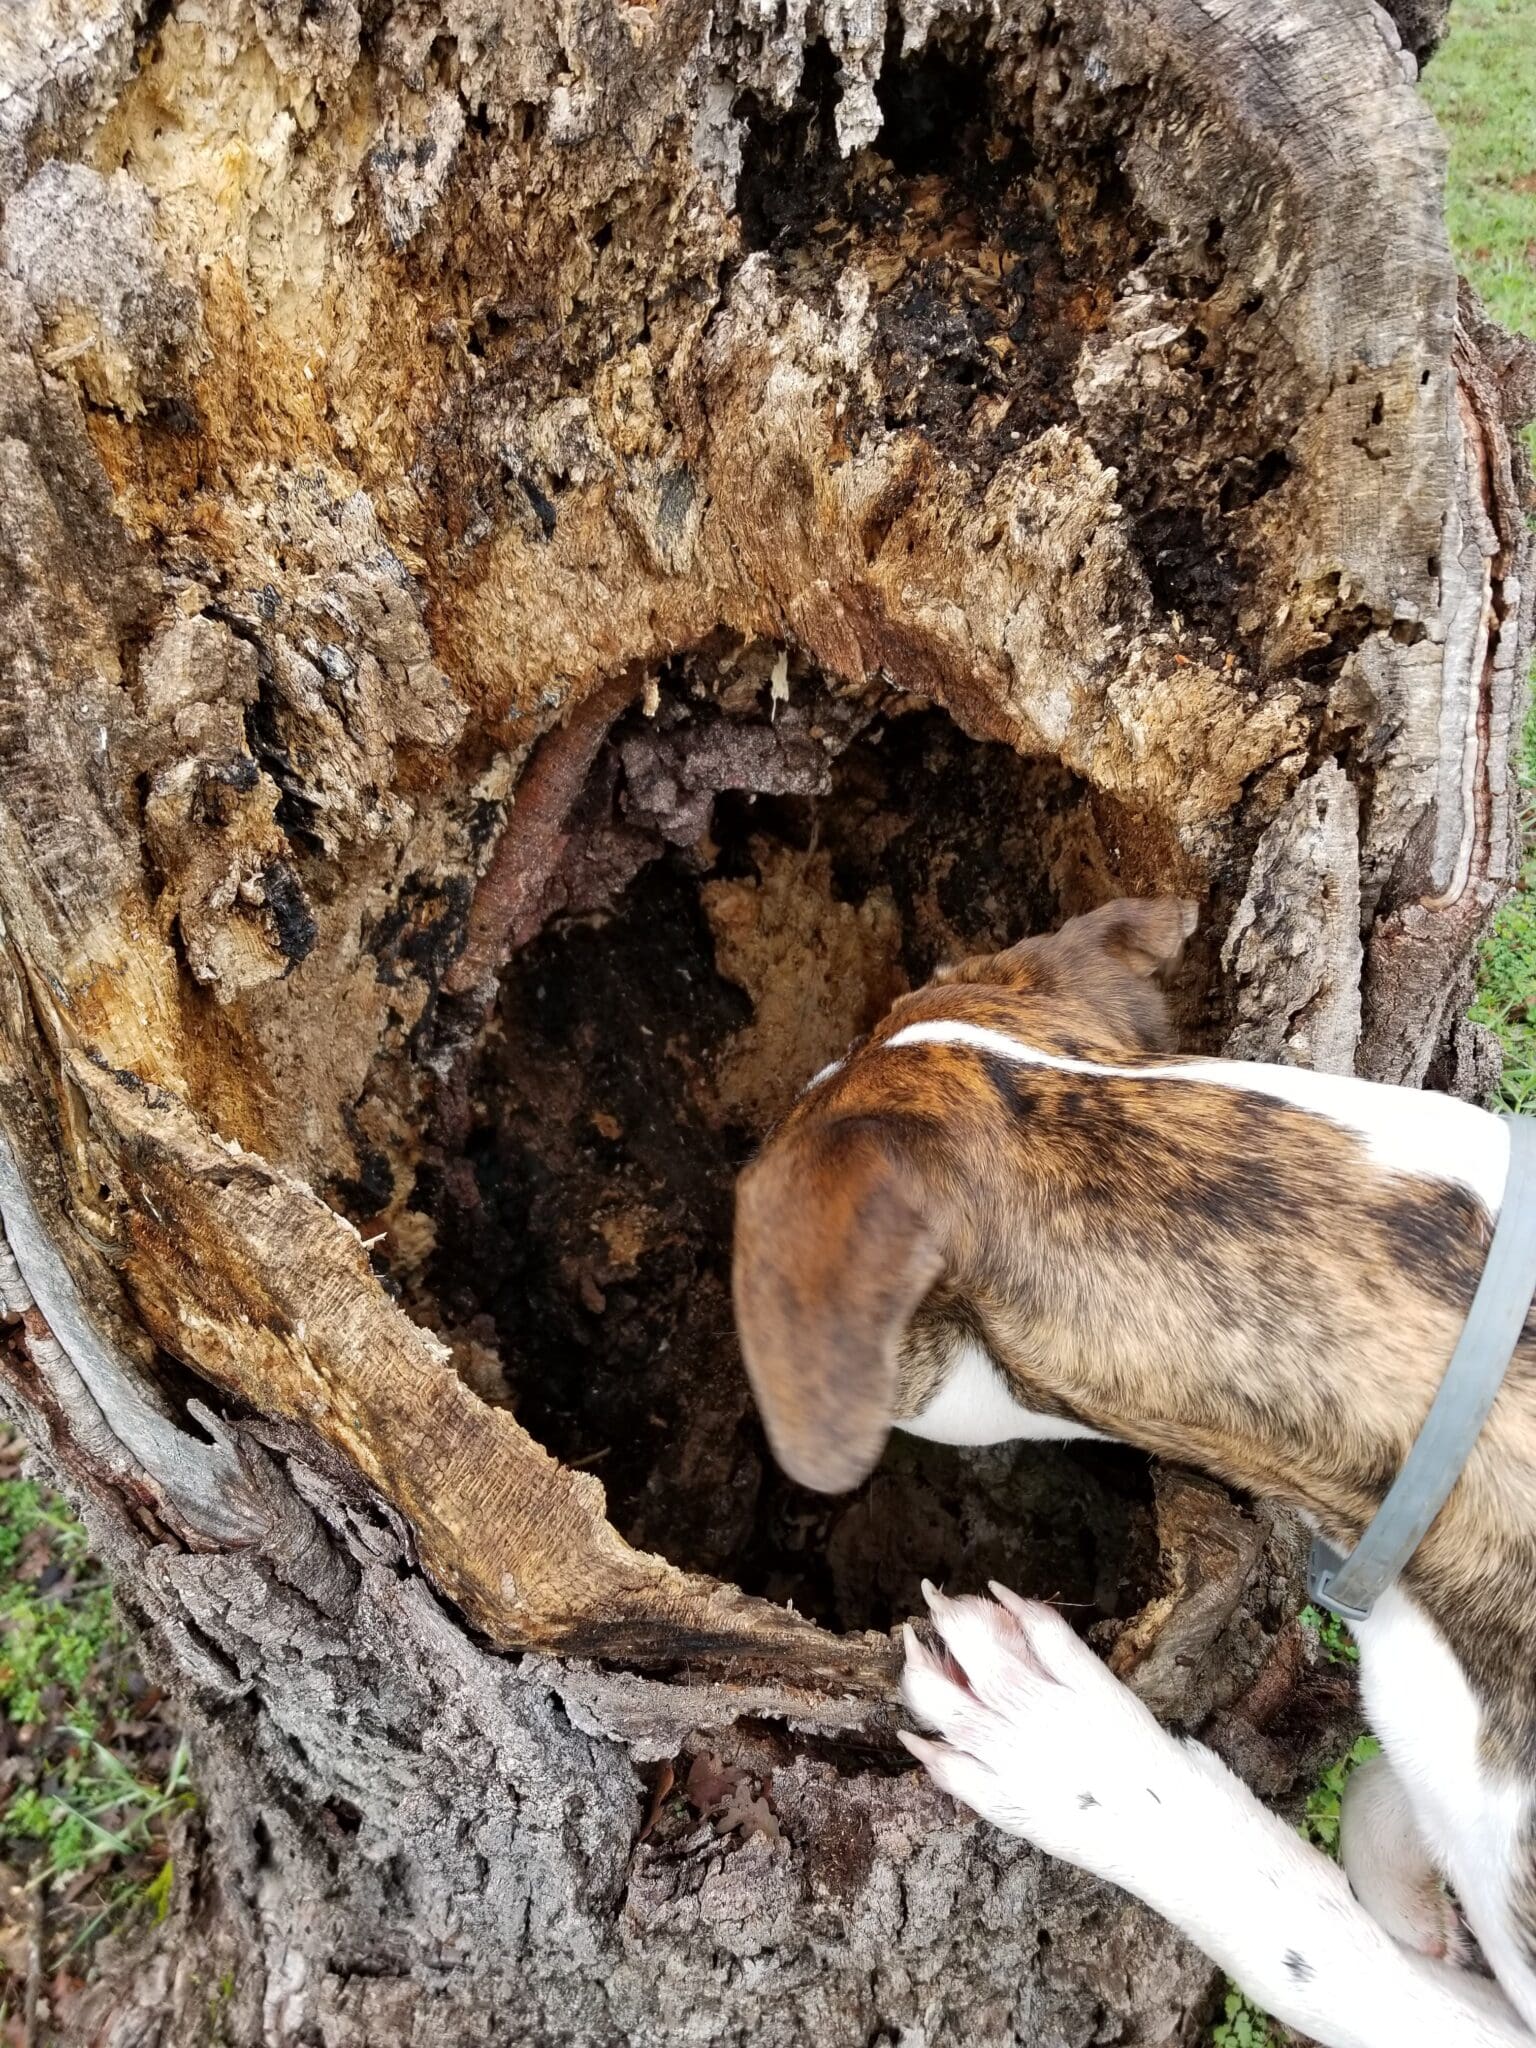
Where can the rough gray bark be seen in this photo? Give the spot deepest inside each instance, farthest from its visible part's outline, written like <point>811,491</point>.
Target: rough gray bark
<point>1421,24</point>
<point>410,1839</point>
<point>443,447</point>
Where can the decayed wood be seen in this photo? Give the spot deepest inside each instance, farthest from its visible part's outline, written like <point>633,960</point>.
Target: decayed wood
<point>1478,835</point>
<point>379,412</point>
<point>409,1839</point>
<point>309,681</point>
<point>517,1541</point>
<point>530,842</point>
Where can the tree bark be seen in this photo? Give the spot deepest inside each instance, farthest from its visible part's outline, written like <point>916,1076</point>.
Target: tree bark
<point>445,447</point>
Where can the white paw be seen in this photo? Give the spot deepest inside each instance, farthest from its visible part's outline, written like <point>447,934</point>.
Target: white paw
<point>1038,1737</point>
<point>1426,1919</point>
<point>1390,1870</point>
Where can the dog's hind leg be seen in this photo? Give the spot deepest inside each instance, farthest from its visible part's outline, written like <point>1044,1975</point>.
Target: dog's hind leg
<point>1492,1864</point>
<point>1040,1739</point>
<point>1521,1916</point>
<point>1477,1815</point>
<point>1389,1868</point>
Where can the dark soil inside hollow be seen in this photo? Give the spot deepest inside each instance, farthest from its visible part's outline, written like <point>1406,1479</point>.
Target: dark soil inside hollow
<point>641,1049</point>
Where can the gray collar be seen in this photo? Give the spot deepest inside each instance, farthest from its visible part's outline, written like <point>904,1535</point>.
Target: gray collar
<point>1351,1586</point>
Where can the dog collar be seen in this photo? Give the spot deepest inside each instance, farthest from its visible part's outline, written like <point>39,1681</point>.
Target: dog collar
<point>1350,1587</point>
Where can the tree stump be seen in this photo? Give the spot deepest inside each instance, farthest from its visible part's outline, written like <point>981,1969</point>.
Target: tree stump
<point>553,560</point>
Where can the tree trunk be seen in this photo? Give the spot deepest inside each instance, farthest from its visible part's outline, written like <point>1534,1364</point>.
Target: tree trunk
<point>553,560</point>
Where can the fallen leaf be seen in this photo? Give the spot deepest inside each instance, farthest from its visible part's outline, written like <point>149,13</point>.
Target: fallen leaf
<point>710,1781</point>
<point>750,1812</point>
<point>666,1779</point>
<point>883,267</point>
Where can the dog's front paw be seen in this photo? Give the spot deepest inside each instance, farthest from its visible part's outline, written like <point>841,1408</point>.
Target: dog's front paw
<point>1037,1737</point>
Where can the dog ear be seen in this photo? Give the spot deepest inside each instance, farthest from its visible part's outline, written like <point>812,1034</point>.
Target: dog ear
<point>1109,960</point>
<point>1143,933</point>
<point>1102,964</point>
<point>831,1259</point>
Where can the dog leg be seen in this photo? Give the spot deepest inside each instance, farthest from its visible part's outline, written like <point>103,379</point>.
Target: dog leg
<point>1390,1870</point>
<point>1475,1814</point>
<point>1492,1863</point>
<point>1043,1742</point>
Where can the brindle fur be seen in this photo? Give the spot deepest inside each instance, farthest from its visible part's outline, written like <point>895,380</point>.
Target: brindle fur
<point>1217,1277</point>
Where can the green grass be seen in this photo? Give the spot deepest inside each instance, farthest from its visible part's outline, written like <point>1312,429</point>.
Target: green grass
<point>1337,1643</point>
<point>1482,85</point>
<point>1241,2025</point>
<point>1320,1822</point>
<point>1506,979</point>
<point>91,1778</point>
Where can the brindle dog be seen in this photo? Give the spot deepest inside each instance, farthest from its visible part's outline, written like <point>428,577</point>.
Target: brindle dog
<point>1010,1213</point>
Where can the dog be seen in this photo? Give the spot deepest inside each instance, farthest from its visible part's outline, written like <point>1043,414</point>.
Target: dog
<point>1011,1212</point>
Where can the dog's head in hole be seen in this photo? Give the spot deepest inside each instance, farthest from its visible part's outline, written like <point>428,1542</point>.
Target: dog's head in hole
<point>878,1231</point>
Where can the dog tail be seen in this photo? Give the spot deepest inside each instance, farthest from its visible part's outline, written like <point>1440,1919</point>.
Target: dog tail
<point>832,1257</point>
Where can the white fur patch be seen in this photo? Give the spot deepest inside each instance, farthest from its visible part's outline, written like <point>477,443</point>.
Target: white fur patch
<point>1042,1741</point>
<point>1417,1699</point>
<point>1407,1130</point>
<point>1389,1867</point>
<point>975,1405</point>
<point>822,1074</point>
